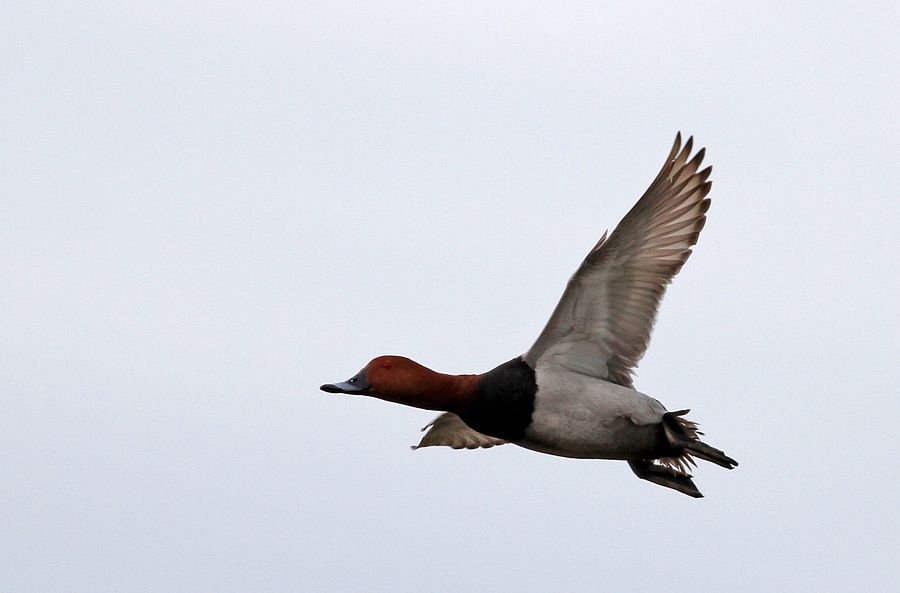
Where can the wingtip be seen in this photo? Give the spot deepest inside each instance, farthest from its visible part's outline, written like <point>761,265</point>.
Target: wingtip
<point>698,157</point>
<point>688,147</point>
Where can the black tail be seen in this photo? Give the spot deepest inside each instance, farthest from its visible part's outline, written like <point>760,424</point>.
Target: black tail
<point>683,445</point>
<point>683,435</point>
<point>711,454</point>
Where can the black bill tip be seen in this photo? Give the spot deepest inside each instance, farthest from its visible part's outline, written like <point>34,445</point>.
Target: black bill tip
<point>356,385</point>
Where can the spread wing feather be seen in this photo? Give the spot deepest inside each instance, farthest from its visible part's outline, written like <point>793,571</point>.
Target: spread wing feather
<point>601,326</point>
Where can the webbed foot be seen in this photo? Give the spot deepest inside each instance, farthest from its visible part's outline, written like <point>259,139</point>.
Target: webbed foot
<point>658,474</point>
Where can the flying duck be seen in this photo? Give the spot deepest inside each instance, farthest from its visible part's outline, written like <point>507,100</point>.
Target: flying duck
<point>571,394</point>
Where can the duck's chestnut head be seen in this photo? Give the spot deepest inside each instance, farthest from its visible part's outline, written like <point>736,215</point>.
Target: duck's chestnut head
<point>399,379</point>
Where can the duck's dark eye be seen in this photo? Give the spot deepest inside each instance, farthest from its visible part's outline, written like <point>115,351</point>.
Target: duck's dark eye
<point>353,380</point>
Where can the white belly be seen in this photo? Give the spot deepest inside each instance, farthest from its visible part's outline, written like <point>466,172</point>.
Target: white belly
<point>580,416</point>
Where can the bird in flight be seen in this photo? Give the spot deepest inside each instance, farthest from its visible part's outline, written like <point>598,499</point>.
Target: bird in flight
<point>571,394</point>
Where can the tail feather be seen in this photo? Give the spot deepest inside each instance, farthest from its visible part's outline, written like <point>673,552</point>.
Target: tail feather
<point>711,454</point>
<point>683,436</point>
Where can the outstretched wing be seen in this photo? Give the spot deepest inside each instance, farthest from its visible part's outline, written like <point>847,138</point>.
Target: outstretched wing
<point>449,430</point>
<point>601,326</point>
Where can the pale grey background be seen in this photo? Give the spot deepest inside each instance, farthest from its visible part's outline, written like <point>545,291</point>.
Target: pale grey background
<point>210,209</point>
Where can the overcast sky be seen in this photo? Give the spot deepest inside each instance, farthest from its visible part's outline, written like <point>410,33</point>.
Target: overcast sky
<point>207,210</point>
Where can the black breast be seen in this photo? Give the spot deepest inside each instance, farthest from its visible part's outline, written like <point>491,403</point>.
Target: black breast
<point>503,405</point>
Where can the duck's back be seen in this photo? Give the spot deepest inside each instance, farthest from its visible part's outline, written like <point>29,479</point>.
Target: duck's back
<point>576,415</point>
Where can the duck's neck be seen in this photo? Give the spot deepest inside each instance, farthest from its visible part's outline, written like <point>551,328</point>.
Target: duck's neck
<point>431,390</point>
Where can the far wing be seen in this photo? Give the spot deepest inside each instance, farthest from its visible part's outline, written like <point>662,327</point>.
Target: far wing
<point>601,326</point>
<point>449,430</point>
